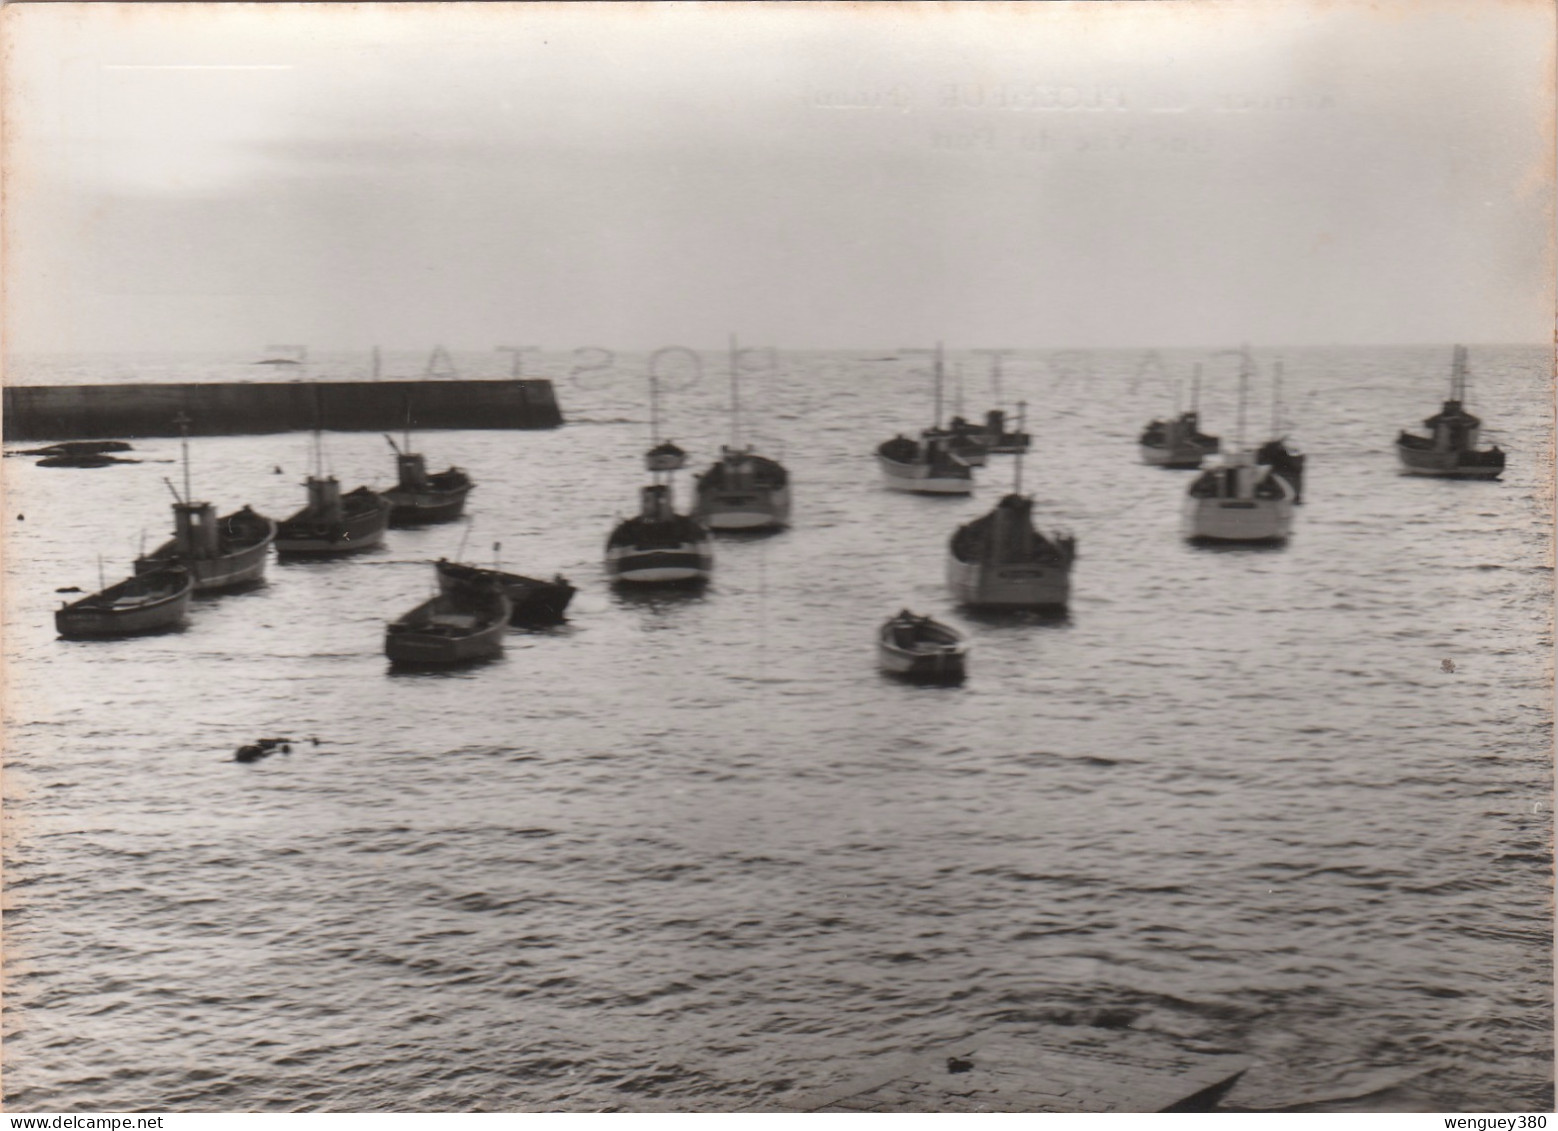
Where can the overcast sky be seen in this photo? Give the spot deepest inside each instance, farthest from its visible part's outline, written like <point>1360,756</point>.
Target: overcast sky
<point>213,176</point>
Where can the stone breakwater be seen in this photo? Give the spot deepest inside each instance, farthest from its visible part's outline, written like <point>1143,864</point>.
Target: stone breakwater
<point>91,412</point>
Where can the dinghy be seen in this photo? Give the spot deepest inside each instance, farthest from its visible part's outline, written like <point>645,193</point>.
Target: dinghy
<point>921,649</point>
<point>455,627</point>
<point>532,601</point>
<point>154,601</point>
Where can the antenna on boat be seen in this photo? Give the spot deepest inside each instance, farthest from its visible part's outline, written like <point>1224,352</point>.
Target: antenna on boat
<point>939,368</point>
<point>407,432</point>
<point>1276,399</point>
<point>174,491</point>
<point>1195,391</point>
<point>460,553</point>
<point>183,422</point>
<point>1022,414</point>
<point>1245,363</point>
<point>390,440</point>
<point>995,357</point>
<point>735,395</point>
<point>1458,376</point>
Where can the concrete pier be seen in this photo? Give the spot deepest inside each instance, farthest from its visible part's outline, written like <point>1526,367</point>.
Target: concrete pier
<point>95,412</point>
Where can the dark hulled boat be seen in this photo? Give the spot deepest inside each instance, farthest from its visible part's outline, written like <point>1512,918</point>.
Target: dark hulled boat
<point>532,601</point>
<point>659,546</point>
<point>741,490</point>
<point>458,626</point>
<point>333,524</point>
<point>1450,450</point>
<point>1002,561</point>
<point>154,601</point>
<point>929,465</point>
<point>420,498</point>
<point>1282,457</point>
<point>1178,442</point>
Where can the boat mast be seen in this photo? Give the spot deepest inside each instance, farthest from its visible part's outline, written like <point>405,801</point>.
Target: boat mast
<point>1244,388</point>
<point>995,357</point>
<point>938,385</point>
<point>735,395</point>
<point>183,422</point>
<point>1195,390</point>
<point>1022,415</point>
<point>1276,400</point>
<point>1458,376</point>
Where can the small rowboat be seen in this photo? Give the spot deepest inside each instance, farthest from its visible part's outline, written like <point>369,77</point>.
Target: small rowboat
<point>156,601</point>
<point>919,648</point>
<point>452,628</point>
<point>532,601</point>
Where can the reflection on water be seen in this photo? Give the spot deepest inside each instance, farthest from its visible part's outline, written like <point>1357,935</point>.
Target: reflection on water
<point>693,849</point>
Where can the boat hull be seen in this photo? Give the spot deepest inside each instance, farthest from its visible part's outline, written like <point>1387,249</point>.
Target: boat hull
<point>217,574</point>
<point>436,642</point>
<point>81,621</point>
<point>922,667</point>
<point>1450,464</point>
<point>688,564</point>
<point>756,509</point>
<point>1184,458</point>
<point>531,600</point>
<point>301,536</point>
<point>1015,585</point>
<point>424,508</point>
<point>921,479</point>
<point>1238,520</point>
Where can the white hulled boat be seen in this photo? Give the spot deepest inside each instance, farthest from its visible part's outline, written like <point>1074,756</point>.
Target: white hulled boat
<point>921,649</point>
<point>1450,450</point>
<point>1237,499</point>
<point>1002,561</point>
<point>742,490</point>
<point>220,553</point>
<point>926,466</point>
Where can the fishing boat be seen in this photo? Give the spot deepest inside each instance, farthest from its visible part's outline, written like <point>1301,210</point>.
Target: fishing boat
<point>1178,442</point>
<point>1238,499</point>
<point>998,438</point>
<point>658,546</point>
<point>1450,450</point>
<point>921,649</point>
<point>927,465</point>
<point>532,601</point>
<point>154,601</point>
<point>220,553</point>
<point>458,626</point>
<point>1001,440</point>
<point>742,490</point>
<point>333,524</point>
<point>421,499</point>
<point>966,440</point>
<point>1002,561</point>
<point>1279,453</point>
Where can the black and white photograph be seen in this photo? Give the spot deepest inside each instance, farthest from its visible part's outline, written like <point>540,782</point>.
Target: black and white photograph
<point>779,557</point>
